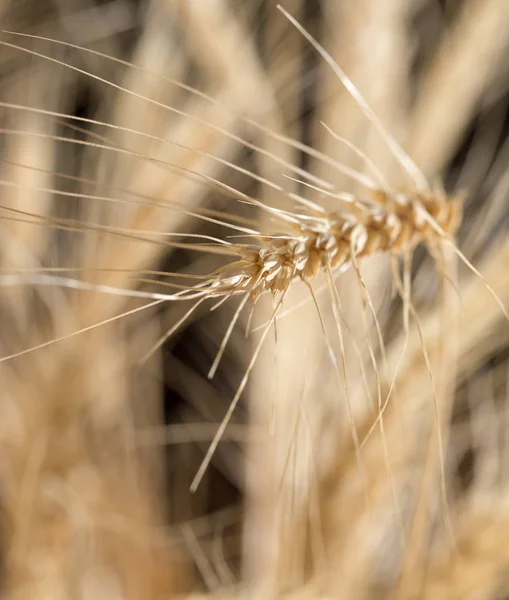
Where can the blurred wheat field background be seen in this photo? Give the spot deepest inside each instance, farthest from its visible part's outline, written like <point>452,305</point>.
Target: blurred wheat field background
<point>111,170</point>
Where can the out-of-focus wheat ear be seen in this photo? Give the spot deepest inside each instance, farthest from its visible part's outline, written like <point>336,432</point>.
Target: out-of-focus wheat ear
<point>468,63</point>
<point>61,494</point>
<point>418,528</point>
<point>22,245</point>
<point>484,429</point>
<point>355,542</point>
<point>234,62</point>
<point>481,567</point>
<point>39,153</point>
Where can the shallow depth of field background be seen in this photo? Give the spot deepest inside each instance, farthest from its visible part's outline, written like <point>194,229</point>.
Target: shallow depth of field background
<point>97,451</point>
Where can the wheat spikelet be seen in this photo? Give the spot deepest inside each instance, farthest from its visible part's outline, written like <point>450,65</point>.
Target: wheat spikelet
<point>142,195</point>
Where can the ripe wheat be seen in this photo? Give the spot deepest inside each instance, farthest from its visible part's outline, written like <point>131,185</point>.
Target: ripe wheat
<point>309,241</point>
